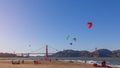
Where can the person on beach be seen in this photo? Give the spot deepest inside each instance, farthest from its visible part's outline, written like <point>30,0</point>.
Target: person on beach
<point>103,63</point>
<point>22,61</point>
<point>35,62</point>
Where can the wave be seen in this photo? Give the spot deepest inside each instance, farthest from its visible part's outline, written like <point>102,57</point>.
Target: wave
<point>109,63</point>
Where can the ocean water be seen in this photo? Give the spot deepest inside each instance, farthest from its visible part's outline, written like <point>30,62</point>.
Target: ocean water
<point>110,61</point>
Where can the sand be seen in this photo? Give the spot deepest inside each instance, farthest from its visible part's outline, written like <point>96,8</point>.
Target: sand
<point>44,64</point>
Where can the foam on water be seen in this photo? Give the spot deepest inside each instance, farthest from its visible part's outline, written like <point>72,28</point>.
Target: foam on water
<point>92,62</point>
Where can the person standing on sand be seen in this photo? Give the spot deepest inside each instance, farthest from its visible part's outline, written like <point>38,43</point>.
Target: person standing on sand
<point>22,61</point>
<point>103,63</point>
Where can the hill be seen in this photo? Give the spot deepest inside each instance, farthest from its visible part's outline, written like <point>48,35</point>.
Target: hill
<point>84,53</point>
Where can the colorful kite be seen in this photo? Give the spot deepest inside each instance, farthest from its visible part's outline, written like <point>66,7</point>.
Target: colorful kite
<point>67,37</point>
<point>90,25</point>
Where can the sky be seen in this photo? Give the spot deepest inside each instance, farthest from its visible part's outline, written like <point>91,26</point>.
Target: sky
<point>30,25</point>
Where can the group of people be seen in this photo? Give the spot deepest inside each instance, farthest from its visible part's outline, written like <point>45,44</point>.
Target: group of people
<point>103,64</point>
<point>15,61</point>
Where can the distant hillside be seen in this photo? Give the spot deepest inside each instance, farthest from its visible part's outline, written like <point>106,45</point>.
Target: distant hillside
<point>102,53</point>
<point>116,53</point>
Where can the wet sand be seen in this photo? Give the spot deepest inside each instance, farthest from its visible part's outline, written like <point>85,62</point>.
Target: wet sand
<point>45,64</point>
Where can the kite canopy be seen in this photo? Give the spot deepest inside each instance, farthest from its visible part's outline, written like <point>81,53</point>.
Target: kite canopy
<point>67,37</point>
<point>74,39</point>
<point>29,45</point>
<point>90,25</point>
<point>71,43</point>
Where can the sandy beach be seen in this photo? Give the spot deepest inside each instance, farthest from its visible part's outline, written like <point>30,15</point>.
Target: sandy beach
<point>45,64</point>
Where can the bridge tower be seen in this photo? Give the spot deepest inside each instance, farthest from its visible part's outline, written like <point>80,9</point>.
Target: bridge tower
<point>96,52</point>
<point>46,50</point>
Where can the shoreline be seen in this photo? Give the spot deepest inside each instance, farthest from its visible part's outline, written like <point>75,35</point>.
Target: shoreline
<point>46,64</point>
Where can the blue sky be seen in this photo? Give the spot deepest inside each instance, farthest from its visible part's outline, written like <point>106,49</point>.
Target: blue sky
<point>48,22</point>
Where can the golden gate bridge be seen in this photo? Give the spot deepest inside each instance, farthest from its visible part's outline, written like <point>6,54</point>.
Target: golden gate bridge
<point>33,53</point>
<point>47,53</point>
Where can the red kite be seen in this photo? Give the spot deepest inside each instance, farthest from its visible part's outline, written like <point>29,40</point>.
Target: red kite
<point>90,25</point>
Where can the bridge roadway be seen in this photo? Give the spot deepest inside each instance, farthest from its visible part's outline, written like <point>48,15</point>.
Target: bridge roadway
<point>34,53</point>
<point>28,54</point>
